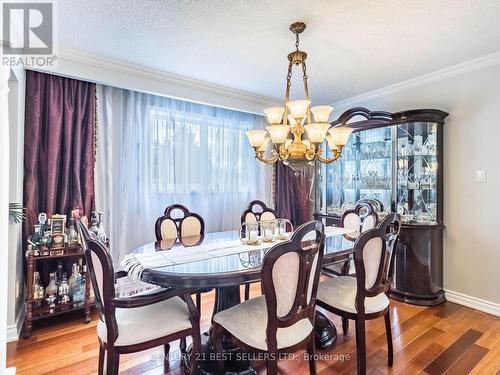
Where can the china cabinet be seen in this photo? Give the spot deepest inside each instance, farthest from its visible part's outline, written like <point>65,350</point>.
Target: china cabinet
<point>396,159</point>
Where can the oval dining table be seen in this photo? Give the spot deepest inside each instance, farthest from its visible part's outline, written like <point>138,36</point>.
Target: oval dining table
<point>225,274</point>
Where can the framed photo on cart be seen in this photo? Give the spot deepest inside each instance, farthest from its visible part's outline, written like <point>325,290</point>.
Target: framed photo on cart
<point>57,228</point>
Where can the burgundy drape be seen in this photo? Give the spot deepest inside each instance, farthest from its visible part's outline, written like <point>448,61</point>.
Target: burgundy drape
<point>58,146</point>
<point>292,193</point>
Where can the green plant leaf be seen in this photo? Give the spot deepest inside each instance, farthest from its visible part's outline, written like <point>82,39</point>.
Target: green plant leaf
<point>16,213</point>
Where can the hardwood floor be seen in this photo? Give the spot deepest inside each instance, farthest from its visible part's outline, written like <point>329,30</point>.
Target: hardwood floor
<point>448,339</point>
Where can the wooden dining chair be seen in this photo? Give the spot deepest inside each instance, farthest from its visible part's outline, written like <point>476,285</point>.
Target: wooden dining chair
<point>173,225</point>
<point>366,296</point>
<point>282,320</point>
<point>360,219</point>
<point>129,325</point>
<point>256,211</point>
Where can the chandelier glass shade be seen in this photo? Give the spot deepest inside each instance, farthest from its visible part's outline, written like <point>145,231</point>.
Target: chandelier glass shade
<point>297,130</point>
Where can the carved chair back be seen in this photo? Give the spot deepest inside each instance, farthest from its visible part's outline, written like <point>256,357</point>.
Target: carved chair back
<point>257,211</point>
<point>360,219</point>
<point>377,205</point>
<point>373,259</point>
<point>102,277</point>
<point>178,222</point>
<point>290,277</point>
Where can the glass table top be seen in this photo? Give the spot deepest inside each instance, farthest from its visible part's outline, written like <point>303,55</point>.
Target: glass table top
<point>244,262</point>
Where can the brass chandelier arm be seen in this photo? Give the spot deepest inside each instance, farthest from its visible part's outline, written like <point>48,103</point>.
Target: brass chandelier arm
<point>260,156</point>
<point>336,155</point>
<point>311,153</point>
<point>282,152</point>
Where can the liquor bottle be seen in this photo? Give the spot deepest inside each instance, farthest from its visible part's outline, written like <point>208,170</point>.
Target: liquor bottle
<point>59,271</point>
<point>72,233</point>
<point>51,293</point>
<point>94,227</point>
<point>63,290</point>
<point>77,290</point>
<point>72,278</point>
<point>45,246</point>
<point>38,291</point>
<point>102,233</point>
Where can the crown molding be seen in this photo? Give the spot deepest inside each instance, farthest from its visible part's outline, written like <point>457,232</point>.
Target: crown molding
<point>66,55</point>
<point>438,75</point>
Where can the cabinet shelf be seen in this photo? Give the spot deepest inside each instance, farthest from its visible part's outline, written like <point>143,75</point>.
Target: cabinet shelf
<point>67,252</point>
<point>421,189</point>
<point>45,311</point>
<point>401,157</point>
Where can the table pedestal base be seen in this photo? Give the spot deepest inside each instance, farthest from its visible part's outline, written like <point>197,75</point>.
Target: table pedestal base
<point>324,331</point>
<point>235,364</point>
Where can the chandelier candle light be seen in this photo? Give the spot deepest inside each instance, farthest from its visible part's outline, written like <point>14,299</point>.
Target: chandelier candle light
<point>298,117</point>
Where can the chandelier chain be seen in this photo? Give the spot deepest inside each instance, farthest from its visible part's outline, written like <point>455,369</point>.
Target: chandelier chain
<point>304,72</point>
<point>297,41</point>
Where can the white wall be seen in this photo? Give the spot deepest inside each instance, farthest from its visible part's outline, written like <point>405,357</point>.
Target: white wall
<point>471,142</point>
<point>15,287</point>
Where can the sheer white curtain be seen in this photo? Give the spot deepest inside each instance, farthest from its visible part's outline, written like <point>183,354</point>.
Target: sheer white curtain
<point>154,151</point>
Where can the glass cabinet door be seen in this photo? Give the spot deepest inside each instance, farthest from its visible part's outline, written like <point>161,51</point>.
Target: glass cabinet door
<point>364,171</point>
<point>417,168</point>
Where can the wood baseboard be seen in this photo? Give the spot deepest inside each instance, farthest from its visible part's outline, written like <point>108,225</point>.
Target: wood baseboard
<point>473,302</point>
<point>14,330</point>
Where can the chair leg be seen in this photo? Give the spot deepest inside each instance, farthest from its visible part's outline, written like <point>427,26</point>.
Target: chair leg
<point>345,325</point>
<point>102,353</point>
<point>272,364</point>
<point>112,364</point>
<point>345,267</point>
<point>361,346</point>
<point>311,351</point>
<point>166,351</point>
<point>388,332</point>
<point>182,345</point>
<point>247,292</point>
<point>198,302</point>
<point>196,352</point>
<point>217,336</point>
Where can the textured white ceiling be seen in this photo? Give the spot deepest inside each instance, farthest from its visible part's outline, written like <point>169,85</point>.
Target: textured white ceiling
<point>353,45</point>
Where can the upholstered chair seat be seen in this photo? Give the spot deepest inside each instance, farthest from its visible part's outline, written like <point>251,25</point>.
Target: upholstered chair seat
<point>247,322</point>
<point>140,324</point>
<point>340,293</point>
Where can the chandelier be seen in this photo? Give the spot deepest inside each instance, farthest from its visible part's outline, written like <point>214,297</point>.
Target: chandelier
<point>288,124</point>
